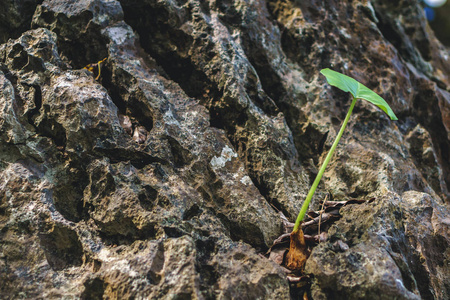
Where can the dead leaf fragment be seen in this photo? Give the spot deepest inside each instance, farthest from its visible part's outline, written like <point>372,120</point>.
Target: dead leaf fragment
<point>140,134</point>
<point>277,255</point>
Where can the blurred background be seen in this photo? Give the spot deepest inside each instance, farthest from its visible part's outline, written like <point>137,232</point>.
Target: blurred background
<point>438,15</point>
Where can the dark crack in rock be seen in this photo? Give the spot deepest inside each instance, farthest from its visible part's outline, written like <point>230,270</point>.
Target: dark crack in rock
<point>15,18</point>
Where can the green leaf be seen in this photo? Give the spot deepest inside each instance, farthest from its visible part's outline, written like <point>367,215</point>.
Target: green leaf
<point>358,90</point>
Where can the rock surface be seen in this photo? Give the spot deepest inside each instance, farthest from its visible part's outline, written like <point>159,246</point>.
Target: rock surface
<point>161,175</point>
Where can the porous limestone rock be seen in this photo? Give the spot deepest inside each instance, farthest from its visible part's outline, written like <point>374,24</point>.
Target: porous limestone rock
<point>398,248</point>
<point>162,174</point>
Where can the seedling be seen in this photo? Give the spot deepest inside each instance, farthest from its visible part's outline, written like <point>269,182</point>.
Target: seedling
<point>297,251</point>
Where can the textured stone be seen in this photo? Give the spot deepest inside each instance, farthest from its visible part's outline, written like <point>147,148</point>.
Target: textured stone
<point>15,18</point>
<point>163,176</point>
<point>392,243</point>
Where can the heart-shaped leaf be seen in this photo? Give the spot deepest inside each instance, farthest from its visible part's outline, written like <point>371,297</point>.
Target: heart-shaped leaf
<point>358,90</point>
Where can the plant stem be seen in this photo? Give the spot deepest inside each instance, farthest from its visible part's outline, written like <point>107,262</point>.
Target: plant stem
<point>305,205</point>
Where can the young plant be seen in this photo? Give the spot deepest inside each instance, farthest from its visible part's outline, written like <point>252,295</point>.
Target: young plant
<point>297,254</point>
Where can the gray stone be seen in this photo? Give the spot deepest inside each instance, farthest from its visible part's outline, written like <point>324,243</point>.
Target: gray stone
<point>397,248</point>
<point>161,174</point>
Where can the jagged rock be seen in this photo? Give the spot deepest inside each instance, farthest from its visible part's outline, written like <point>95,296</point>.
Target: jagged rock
<point>159,174</point>
<point>395,243</point>
<point>15,18</point>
